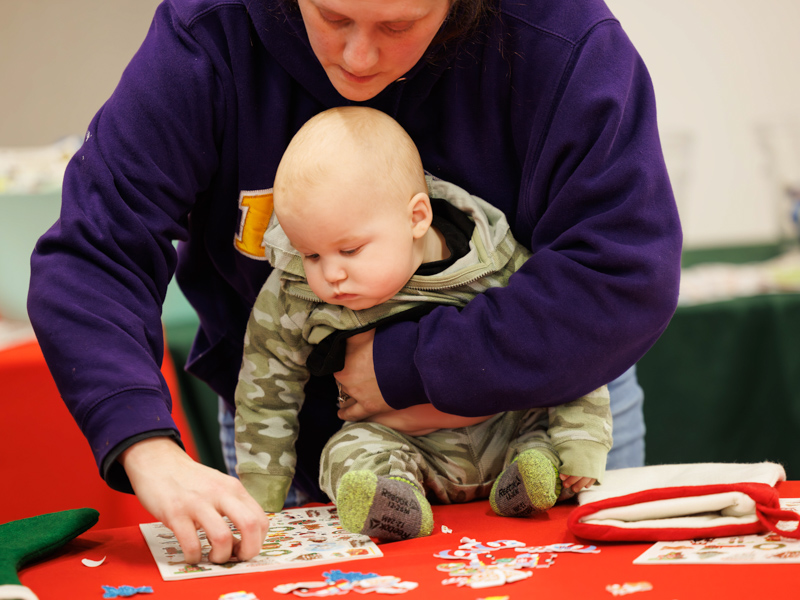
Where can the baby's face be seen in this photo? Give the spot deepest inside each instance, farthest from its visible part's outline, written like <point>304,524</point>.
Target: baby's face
<point>358,249</point>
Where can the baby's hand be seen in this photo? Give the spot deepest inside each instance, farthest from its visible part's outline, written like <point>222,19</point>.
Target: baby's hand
<point>572,484</point>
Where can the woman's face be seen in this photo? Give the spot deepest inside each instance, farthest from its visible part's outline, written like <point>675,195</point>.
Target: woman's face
<point>364,45</point>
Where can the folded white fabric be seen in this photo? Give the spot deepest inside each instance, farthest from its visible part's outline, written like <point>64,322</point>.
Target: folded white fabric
<point>680,502</point>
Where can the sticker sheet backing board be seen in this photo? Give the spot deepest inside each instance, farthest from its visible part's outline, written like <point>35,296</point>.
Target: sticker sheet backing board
<point>298,537</point>
<point>767,548</point>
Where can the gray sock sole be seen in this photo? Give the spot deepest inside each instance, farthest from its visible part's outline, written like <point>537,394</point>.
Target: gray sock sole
<point>384,508</point>
<point>527,486</point>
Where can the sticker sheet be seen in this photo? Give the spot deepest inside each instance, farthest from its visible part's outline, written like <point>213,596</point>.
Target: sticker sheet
<point>298,537</point>
<point>767,548</point>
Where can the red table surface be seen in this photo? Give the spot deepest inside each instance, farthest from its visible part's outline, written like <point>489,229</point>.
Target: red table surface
<point>46,463</point>
<point>585,576</point>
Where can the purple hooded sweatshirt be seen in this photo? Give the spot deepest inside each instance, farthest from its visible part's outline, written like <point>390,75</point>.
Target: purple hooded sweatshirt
<point>547,113</point>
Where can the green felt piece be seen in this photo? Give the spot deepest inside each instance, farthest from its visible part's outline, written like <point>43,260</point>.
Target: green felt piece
<point>29,539</point>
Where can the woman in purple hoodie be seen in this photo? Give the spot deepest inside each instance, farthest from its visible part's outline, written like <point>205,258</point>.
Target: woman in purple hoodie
<point>542,108</point>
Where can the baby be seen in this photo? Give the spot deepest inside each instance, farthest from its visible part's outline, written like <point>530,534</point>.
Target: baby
<point>360,238</point>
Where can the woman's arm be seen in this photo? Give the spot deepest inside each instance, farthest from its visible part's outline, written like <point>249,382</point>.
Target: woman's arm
<point>100,275</point>
<point>596,208</point>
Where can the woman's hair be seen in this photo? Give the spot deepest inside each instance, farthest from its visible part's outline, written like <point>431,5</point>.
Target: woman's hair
<point>463,19</point>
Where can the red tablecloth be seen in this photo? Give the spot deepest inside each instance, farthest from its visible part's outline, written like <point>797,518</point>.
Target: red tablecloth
<point>46,463</point>
<point>583,576</point>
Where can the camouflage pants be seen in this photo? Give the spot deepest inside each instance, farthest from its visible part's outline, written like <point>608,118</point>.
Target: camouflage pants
<point>449,465</point>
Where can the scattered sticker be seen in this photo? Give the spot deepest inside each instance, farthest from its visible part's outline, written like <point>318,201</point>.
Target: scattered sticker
<point>242,595</point>
<point>471,549</point>
<point>560,548</point>
<point>124,591</point>
<point>93,563</point>
<point>300,586</point>
<point>617,589</point>
<point>488,577</point>
<point>340,582</point>
<point>446,529</point>
<point>479,568</point>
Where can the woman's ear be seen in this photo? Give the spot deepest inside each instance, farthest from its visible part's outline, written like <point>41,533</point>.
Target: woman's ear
<point>421,213</point>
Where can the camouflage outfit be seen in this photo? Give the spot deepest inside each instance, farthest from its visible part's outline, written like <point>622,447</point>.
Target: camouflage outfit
<point>453,465</point>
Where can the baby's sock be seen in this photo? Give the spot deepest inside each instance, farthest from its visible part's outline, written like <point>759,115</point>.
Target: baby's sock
<point>386,508</point>
<point>530,484</point>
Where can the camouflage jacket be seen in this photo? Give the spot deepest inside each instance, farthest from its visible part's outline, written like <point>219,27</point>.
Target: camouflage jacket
<point>288,319</point>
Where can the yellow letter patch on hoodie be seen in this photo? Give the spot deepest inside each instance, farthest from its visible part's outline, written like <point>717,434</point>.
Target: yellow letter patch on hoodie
<point>256,207</point>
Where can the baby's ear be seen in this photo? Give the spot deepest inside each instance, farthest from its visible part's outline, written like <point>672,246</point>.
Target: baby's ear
<point>421,213</point>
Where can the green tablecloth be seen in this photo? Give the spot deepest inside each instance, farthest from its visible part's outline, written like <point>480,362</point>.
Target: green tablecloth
<point>722,384</point>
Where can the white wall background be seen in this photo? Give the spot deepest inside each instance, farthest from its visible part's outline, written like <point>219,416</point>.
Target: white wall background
<point>720,69</point>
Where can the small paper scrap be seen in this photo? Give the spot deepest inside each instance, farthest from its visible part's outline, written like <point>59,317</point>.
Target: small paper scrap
<point>446,529</point>
<point>242,595</point>
<point>617,589</point>
<point>93,563</point>
<point>124,591</point>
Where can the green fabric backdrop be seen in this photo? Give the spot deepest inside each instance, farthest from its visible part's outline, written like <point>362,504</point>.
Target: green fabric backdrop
<point>723,381</point>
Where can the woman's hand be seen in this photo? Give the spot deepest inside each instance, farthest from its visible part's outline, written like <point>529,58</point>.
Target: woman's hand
<point>358,380</point>
<point>186,495</point>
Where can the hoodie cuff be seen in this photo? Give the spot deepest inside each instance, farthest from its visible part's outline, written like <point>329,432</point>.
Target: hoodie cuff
<point>269,491</point>
<point>583,458</point>
<point>113,472</point>
<point>393,357</point>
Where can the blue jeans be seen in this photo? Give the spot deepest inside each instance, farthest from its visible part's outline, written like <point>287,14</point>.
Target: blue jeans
<point>627,408</point>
